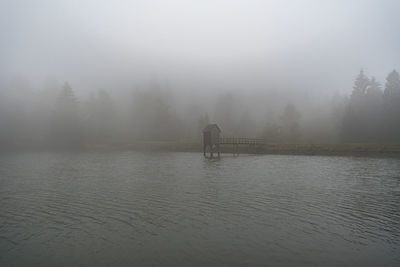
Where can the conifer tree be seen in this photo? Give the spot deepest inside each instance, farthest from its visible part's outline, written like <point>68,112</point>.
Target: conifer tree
<point>66,130</point>
<point>391,97</point>
<point>353,121</point>
<point>359,89</point>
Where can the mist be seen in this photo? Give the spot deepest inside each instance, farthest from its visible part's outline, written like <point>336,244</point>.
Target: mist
<point>101,72</point>
<point>199,133</point>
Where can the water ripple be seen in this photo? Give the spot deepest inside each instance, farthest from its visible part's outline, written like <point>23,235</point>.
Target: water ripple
<point>126,208</point>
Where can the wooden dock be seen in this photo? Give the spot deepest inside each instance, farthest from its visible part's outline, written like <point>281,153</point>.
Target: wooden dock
<point>240,141</point>
<point>213,141</point>
<point>252,143</point>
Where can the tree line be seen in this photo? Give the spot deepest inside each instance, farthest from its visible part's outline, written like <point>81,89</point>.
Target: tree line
<point>373,113</point>
<point>55,117</point>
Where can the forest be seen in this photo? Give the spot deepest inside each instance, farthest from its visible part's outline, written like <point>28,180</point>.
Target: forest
<point>54,116</point>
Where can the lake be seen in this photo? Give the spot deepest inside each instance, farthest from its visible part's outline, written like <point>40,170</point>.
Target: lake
<point>131,208</point>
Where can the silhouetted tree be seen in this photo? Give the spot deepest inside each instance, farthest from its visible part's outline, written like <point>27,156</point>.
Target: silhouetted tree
<point>391,97</point>
<point>153,115</point>
<point>66,127</point>
<point>359,89</point>
<point>373,112</point>
<point>392,89</point>
<point>354,122</point>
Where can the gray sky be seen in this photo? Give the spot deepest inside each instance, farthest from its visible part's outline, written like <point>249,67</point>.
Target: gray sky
<point>314,44</point>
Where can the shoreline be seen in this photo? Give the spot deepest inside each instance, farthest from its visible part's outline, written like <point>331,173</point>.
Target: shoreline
<point>340,149</point>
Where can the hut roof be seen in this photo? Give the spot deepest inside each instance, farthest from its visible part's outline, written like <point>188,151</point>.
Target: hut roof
<point>211,127</point>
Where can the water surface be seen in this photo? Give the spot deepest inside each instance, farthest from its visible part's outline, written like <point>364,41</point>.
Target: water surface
<point>179,209</point>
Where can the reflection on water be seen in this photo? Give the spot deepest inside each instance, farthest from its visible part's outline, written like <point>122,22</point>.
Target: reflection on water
<point>179,209</point>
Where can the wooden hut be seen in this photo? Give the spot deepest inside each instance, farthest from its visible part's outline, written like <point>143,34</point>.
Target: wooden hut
<point>211,138</point>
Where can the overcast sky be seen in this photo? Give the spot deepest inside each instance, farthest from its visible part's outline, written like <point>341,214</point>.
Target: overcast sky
<point>248,44</point>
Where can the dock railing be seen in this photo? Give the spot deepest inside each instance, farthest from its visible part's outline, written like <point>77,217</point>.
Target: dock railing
<point>240,141</point>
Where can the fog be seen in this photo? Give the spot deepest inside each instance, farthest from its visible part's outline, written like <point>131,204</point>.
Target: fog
<point>99,72</point>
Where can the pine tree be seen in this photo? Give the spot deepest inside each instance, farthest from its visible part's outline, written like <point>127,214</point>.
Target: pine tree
<point>67,103</point>
<point>392,90</point>
<point>374,88</point>
<point>372,112</point>
<point>391,97</point>
<point>354,123</point>
<point>66,128</point>
<point>359,89</point>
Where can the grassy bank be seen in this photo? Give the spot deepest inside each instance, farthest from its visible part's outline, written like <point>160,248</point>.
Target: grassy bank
<point>283,149</point>
<point>385,150</point>
<point>333,149</point>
